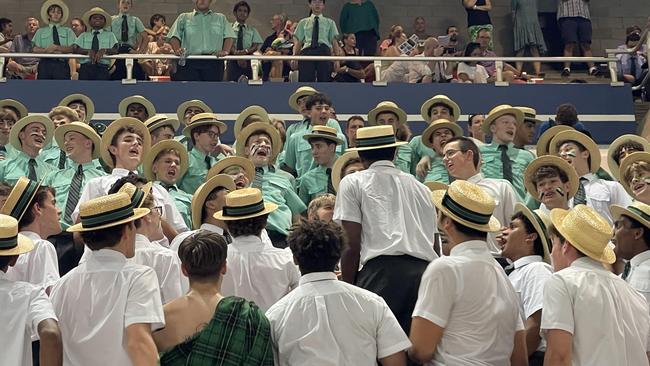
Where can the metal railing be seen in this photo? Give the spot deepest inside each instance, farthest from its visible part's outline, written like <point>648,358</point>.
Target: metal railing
<point>643,40</point>
<point>377,62</point>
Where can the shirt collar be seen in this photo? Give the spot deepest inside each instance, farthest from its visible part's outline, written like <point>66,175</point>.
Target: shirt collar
<point>468,247</point>
<point>382,163</point>
<point>141,241</point>
<point>590,177</point>
<point>588,263</point>
<point>119,172</point>
<point>475,178</point>
<point>640,258</point>
<point>51,25</point>
<point>312,16</point>
<point>198,153</point>
<point>206,13</point>
<point>32,235</point>
<point>212,228</point>
<point>495,145</point>
<point>3,275</point>
<point>527,260</point>
<point>316,277</point>
<point>107,256</point>
<point>236,24</point>
<point>248,241</point>
<point>87,166</point>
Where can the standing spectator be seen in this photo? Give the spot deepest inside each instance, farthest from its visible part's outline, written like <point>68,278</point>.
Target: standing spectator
<point>528,33</point>
<point>472,72</point>
<point>354,123</point>
<point>361,18</point>
<point>95,44</point>
<point>247,42</point>
<point>478,17</point>
<point>24,68</point>
<point>54,39</point>
<point>630,65</point>
<point>420,28</point>
<point>201,32</point>
<point>132,38</point>
<point>6,34</point>
<point>78,26</point>
<point>349,71</point>
<point>271,48</point>
<point>575,25</point>
<point>315,36</point>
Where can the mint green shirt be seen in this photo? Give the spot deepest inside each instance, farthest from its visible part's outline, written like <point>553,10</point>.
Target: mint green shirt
<point>52,153</point>
<point>60,180</point>
<point>418,151</point>
<point>277,188</point>
<point>298,150</point>
<point>12,169</point>
<point>327,31</point>
<point>106,40</point>
<point>251,35</point>
<point>403,158</point>
<point>201,33</point>
<point>313,183</point>
<point>182,200</point>
<point>196,171</point>
<point>44,36</point>
<point>493,167</point>
<point>134,24</point>
<point>9,152</point>
<point>438,172</point>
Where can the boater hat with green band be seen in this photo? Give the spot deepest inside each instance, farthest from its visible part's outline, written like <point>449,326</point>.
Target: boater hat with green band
<point>21,195</point>
<point>12,243</point>
<point>136,194</point>
<point>107,211</point>
<point>468,204</point>
<point>244,204</point>
<point>376,137</point>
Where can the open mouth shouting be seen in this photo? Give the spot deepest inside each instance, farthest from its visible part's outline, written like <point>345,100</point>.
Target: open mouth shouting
<point>639,187</point>
<point>134,151</point>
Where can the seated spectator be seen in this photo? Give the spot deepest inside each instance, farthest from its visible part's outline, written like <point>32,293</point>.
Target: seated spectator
<point>157,67</point>
<point>78,26</point>
<point>484,39</point>
<point>276,44</point>
<point>430,71</point>
<point>158,24</point>
<point>6,34</point>
<point>349,71</point>
<point>23,68</point>
<point>321,208</point>
<point>420,28</point>
<point>397,71</point>
<point>354,123</point>
<point>474,127</point>
<point>630,66</point>
<point>396,34</point>
<point>472,72</point>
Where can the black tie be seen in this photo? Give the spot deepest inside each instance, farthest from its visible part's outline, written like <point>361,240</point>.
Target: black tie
<point>314,33</point>
<point>32,170</point>
<point>95,45</point>
<point>330,186</point>
<point>125,29</point>
<point>55,36</point>
<point>73,194</point>
<point>62,159</point>
<point>626,270</point>
<point>581,195</point>
<point>3,148</point>
<point>168,187</point>
<point>240,37</point>
<point>507,164</point>
<point>208,162</point>
<point>259,176</point>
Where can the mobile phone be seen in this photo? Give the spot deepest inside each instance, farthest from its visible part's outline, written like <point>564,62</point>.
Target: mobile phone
<point>444,41</point>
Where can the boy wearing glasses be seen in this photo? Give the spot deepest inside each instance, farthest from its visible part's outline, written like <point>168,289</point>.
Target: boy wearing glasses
<point>204,131</point>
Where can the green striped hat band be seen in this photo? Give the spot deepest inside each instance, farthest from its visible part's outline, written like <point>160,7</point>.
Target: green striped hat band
<point>242,211</point>
<point>25,198</point>
<point>108,217</point>
<point>8,243</point>
<point>376,141</point>
<point>462,212</point>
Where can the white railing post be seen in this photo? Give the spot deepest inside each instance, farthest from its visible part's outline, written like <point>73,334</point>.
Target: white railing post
<point>378,81</point>
<point>613,72</point>
<point>129,72</point>
<point>2,69</point>
<point>255,67</point>
<point>499,81</point>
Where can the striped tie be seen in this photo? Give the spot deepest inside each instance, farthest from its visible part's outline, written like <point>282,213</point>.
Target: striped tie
<point>62,158</point>
<point>259,176</point>
<point>330,186</point>
<point>73,194</point>
<point>581,195</point>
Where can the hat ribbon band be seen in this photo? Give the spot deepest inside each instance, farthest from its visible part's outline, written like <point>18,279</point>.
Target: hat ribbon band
<point>462,212</point>
<point>541,224</point>
<point>103,218</point>
<point>643,215</point>
<point>326,133</point>
<point>8,243</point>
<point>233,211</point>
<point>375,141</point>
<point>137,198</point>
<point>23,201</point>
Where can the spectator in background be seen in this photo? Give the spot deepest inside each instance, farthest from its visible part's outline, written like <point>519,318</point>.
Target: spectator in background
<point>131,37</point>
<point>484,40</point>
<point>158,24</point>
<point>527,32</point>
<point>478,17</point>
<point>24,68</point>
<point>96,67</point>
<point>354,123</point>
<point>420,28</point>
<point>321,208</point>
<point>6,34</point>
<point>78,26</point>
<point>474,128</point>
<point>158,67</point>
<point>575,25</point>
<point>349,71</point>
<point>247,41</point>
<point>55,38</point>
<point>430,71</point>
<point>566,114</point>
<point>454,47</point>
<point>361,18</point>
<point>630,66</point>
<point>277,43</point>
<point>472,72</point>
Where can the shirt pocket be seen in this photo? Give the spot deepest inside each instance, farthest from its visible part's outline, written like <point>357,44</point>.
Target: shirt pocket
<point>600,202</point>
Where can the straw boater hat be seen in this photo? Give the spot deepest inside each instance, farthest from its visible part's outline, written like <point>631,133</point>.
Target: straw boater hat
<point>160,120</point>
<point>249,111</point>
<point>435,185</point>
<point>530,115</point>
<point>12,103</point>
<point>245,204</point>
<point>586,230</point>
<point>64,9</point>
<point>627,162</point>
<point>115,126</point>
<point>204,119</point>
<point>323,132</point>
<point>337,168</point>
<point>82,128</point>
<point>427,135</point>
<point>126,102</point>
<point>254,128</point>
<point>303,91</point>
<point>180,111</point>
<point>545,139</point>
<point>561,164</point>
<point>23,122</point>
<point>90,106</point>
<point>637,211</point>
<point>384,107</point>
<point>100,11</point>
<point>230,161</point>
<point>613,165</point>
<point>151,155</point>
<point>11,242</point>
<point>137,195</point>
<point>105,212</point>
<point>19,198</point>
<point>467,204</point>
<point>439,99</point>
<point>582,139</point>
<point>499,111</point>
<point>202,193</point>
<point>376,137</point>
<point>540,222</point>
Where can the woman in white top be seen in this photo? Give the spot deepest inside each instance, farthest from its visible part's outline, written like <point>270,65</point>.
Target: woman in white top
<point>472,72</point>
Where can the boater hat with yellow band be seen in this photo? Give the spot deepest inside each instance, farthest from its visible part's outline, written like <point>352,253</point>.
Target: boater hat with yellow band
<point>107,211</point>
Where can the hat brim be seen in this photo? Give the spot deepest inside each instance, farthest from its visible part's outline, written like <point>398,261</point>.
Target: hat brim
<point>112,129</point>
<point>545,139</point>
<point>137,213</point>
<point>607,256</point>
<point>539,226</point>
<point>309,136</point>
<point>533,166</point>
<point>45,17</point>
<point>249,111</point>
<point>24,245</point>
<point>268,208</point>
<point>180,111</point>
<point>435,185</point>
<point>126,102</point>
<point>276,140</point>
<point>151,155</point>
<point>102,12</point>
<point>617,211</point>
<point>627,162</point>
<point>293,99</point>
<point>201,194</point>
<point>84,129</point>
<point>20,107</point>
<point>517,113</point>
<point>395,144</point>
<point>24,122</point>
<point>338,167</point>
<point>614,167</point>
<point>491,227</point>
<point>11,202</point>
<point>90,105</point>
<point>439,99</point>
<point>187,131</point>
<point>399,112</point>
<point>427,135</point>
<point>581,138</point>
<point>230,161</point>
<point>171,122</point>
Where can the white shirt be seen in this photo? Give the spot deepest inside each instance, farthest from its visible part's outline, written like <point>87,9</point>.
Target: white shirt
<point>100,186</point>
<point>176,243</point>
<point>477,74</point>
<point>164,262</point>
<point>504,196</point>
<point>418,70</point>
<point>97,301</point>
<point>39,266</point>
<point>608,319</point>
<point>639,276</point>
<point>397,72</point>
<point>327,322</point>
<point>257,272</point>
<point>469,295</point>
<point>24,306</point>
<point>395,211</point>
<point>528,279</point>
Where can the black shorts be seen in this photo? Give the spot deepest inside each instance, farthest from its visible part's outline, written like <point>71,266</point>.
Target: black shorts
<point>575,30</point>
